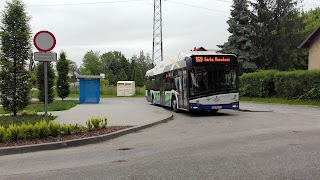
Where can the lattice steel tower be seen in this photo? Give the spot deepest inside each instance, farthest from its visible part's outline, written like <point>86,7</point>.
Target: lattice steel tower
<point>157,53</point>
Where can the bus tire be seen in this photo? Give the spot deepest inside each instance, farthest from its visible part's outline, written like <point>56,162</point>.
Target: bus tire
<point>174,105</point>
<point>214,110</point>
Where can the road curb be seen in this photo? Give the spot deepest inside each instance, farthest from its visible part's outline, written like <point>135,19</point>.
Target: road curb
<point>77,142</point>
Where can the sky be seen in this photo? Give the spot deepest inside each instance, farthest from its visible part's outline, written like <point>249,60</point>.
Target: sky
<point>127,25</point>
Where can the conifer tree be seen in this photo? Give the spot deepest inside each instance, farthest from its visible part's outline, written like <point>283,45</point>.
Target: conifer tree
<point>40,81</point>
<point>240,40</point>
<point>62,87</point>
<point>15,37</point>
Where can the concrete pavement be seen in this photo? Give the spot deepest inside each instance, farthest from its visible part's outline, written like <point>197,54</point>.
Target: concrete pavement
<point>119,111</point>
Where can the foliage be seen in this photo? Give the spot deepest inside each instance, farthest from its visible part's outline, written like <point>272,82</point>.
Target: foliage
<point>111,78</point>
<point>278,26</point>
<point>28,131</point>
<point>240,40</point>
<point>63,88</point>
<point>54,128</point>
<point>58,105</point>
<point>40,78</point>
<point>5,121</point>
<point>12,133</point>
<point>122,75</point>
<point>258,84</point>
<point>138,77</point>
<point>28,112</point>
<point>96,123</point>
<point>91,64</point>
<point>311,20</point>
<point>2,133</point>
<point>15,46</point>
<point>303,85</point>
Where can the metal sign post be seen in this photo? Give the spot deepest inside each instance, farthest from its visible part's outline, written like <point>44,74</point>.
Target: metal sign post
<point>45,41</point>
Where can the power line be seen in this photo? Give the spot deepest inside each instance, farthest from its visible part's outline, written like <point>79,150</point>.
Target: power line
<point>76,4</point>
<point>195,6</point>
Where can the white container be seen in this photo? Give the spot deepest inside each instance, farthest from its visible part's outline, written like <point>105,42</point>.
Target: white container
<point>126,88</point>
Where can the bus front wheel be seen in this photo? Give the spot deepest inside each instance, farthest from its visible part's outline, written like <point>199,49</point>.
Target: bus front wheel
<point>174,105</point>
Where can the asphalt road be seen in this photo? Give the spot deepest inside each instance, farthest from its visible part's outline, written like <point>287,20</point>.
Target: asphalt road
<point>283,144</point>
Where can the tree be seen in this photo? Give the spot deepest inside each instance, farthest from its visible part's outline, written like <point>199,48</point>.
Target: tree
<point>15,37</point>
<point>63,88</point>
<point>138,77</point>
<point>311,20</point>
<point>278,27</point>
<point>91,64</point>
<point>111,78</point>
<point>40,78</point>
<point>122,75</point>
<point>240,40</point>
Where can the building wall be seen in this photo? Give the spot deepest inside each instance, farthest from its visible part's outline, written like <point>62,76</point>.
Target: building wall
<point>314,54</point>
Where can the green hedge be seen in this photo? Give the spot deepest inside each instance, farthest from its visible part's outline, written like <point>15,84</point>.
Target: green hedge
<point>303,85</point>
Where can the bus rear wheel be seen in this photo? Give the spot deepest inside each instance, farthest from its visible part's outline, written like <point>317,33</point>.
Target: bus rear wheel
<point>174,105</point>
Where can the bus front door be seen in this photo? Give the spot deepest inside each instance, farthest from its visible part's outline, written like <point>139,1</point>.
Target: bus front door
<point>162,90</point>
<point>180,91</point>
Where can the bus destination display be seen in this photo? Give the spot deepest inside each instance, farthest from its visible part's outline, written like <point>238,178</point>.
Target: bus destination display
<point>204,59</point>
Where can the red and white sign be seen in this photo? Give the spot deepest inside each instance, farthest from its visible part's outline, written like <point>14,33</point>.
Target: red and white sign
<point>44,41</point>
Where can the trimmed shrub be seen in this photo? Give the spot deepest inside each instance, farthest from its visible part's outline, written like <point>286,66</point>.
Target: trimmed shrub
<point>258,84</point>
<point>26,132</point>
<point>54,128</point>
<point>295,84</point>
<point>12,133</point>
<point>2,133</point>
<point>41,129</point>
<point>66,129</point>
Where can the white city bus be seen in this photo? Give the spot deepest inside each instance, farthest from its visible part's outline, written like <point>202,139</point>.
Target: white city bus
<point>196,81</point>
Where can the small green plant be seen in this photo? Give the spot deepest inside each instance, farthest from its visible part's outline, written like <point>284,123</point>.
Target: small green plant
<point>96,123</point>
<point>54,128</point>
<point>66,129</point>
<point>2,133</point>
<point>12,132</point>
<point>77,128</point>
<point>104,123</point>
<point>41,129</point>
<point>28,113</point>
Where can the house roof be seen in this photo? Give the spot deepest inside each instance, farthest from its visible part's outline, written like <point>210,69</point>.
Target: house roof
<point>306,43</point>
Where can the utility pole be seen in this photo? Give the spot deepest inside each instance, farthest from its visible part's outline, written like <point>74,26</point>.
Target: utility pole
<point>157,53</point>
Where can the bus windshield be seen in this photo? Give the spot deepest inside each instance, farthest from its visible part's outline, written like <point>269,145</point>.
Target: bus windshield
<point>213,78</point>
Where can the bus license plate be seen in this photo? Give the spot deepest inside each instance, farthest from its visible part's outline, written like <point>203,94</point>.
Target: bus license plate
<point>216,107</point>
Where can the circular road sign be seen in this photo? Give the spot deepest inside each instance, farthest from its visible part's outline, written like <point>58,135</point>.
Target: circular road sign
<point>44,41</point>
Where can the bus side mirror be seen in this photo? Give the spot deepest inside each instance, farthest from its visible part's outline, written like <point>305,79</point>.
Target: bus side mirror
<point>240,69</point>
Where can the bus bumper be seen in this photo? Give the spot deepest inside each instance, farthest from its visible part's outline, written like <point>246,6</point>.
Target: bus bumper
<point>200,107</point>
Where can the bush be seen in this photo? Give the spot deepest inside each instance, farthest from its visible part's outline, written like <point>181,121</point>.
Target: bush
<point>96,123</point>
<point>2,133</point>
<point>12,133</point>
<point>54,128</point>
<point>28,113</point>
<point>258,84</point>
<point>66,129</point>
<point>294,84</point>
<point>291,85</point>
<point>26,131</point>
<point>41,129</point>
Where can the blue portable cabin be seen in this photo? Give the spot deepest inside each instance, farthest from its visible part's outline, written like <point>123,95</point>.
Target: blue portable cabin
<point>89,89</point>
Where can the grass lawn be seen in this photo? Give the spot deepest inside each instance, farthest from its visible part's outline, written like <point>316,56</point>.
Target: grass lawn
<point>56,105</point>
<point>18,120</point>
<point>281,101</point>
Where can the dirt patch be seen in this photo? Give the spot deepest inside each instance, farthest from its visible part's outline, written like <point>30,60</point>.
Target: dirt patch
<point>81,135</point>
